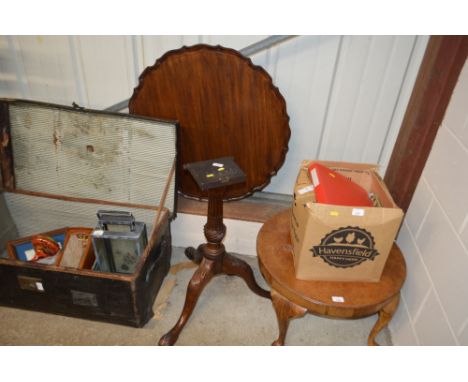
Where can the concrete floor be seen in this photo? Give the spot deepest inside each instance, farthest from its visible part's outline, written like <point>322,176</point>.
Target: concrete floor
<point>227,313</point>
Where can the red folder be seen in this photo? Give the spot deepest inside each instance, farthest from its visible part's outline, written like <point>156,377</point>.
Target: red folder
<point>333,188</point>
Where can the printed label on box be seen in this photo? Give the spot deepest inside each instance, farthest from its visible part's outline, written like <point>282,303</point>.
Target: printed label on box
<point>30,283</point>
<point>315,178</point>
<point>84,298</point>
<point>358,212</point>
<point>304,190</point>
<point>346,247</point>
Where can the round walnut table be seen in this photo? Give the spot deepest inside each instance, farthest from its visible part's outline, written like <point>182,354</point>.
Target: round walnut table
<point>293,298</point>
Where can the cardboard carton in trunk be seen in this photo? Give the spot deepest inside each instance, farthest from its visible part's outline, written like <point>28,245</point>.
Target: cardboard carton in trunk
<point>342,243</point>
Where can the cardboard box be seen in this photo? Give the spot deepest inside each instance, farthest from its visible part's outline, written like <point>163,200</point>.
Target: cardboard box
<point>342,243</point>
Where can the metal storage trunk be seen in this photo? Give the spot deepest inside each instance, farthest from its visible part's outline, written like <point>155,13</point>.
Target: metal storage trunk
<point>59,166</point>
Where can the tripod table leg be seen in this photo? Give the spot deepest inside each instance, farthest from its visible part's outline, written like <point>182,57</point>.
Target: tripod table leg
<point>200,279</point>
<point>237,267</point>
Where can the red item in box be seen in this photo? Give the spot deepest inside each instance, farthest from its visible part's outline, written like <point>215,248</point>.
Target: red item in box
<point>333,188</point>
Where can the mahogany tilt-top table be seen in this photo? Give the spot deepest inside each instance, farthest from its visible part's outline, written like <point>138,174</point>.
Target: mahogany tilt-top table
<point>293,298</point>
<point>226,107</point>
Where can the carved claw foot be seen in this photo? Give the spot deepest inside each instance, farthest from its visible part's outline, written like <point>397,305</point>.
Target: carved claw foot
<point>194,254</point>
<point>167,340</point>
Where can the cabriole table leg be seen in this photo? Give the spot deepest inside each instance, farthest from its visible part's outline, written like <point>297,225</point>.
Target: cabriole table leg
<point>285,311</point>
<point>385,316</point>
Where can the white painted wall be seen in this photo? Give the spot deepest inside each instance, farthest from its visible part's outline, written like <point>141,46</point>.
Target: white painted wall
<point>241,236</point>
<point>346,95</point>
<point>434,238</point>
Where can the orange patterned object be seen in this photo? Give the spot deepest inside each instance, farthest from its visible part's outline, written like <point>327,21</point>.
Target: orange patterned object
<point>44,246</point>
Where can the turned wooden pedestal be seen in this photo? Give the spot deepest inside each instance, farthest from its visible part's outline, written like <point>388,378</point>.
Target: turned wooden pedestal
<point>213,260</point>
<point>293,298</point>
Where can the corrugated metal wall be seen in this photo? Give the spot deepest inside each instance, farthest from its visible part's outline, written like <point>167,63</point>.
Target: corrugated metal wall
<point>346,95</point>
